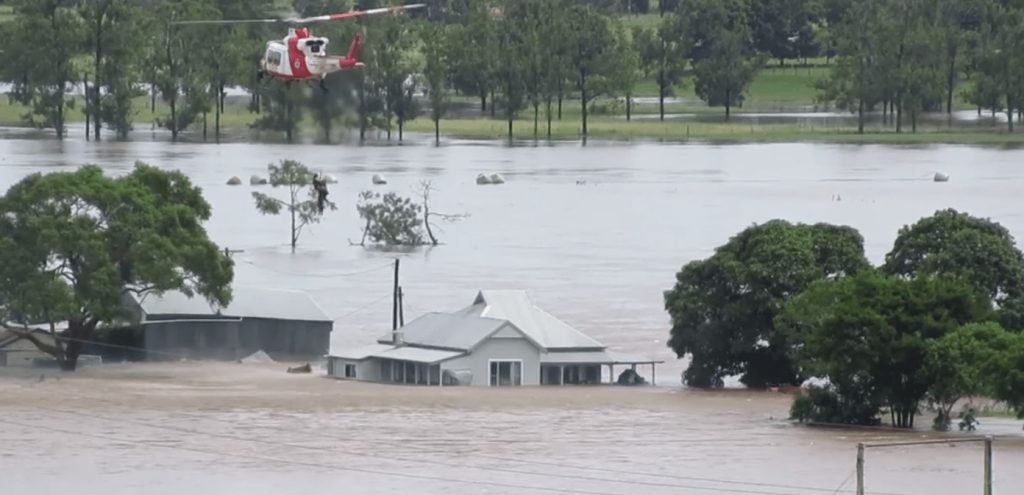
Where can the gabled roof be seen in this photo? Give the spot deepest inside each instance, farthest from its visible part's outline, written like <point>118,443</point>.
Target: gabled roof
<point>516,307</point>
<point>247,302</point>
<point>490,311</point>
<point>12,341</point>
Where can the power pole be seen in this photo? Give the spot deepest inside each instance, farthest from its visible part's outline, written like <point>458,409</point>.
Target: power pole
<point>394,300</point>
<point>401,307</point>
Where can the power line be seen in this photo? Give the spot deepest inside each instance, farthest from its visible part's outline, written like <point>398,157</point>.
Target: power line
<point>508,470</point>
<point>309,464</point>
<point>367,306</point>
<point>319,275</point>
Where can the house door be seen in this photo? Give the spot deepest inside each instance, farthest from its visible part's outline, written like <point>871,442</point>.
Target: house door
<point>506,373</point>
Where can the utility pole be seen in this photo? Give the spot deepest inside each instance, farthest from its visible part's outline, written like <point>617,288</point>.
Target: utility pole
<point>394,300</point>
<point>401,307</point>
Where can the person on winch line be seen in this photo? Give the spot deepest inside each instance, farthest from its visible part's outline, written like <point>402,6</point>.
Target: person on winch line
<point>321,190</point>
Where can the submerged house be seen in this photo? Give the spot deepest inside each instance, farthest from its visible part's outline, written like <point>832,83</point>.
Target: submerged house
<point>286,324</point>
<point>501,339</point>
<point>17,351</point>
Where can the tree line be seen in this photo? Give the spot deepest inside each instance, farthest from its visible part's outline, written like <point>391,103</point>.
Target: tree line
<point>940,320</point>
<point>902,57</point>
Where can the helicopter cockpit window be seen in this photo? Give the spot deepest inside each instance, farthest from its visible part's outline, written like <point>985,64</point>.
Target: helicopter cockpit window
<point>274,57</point>
<point>317,46</point>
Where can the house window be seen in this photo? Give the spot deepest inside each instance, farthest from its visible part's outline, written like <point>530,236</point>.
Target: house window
<point>350,371</point>
<point>505,373</point>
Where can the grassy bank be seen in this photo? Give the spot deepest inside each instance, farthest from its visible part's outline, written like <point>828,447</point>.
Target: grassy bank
<point>733,132</point>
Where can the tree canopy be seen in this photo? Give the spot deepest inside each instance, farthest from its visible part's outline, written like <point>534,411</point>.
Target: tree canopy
<point>75,244</point>
<point>723,307</point>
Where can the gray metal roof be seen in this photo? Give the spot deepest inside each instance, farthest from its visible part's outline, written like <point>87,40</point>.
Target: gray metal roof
<point>247,302</point>
<point>491,310</point>
<point>400,353</point>
<point>448,331</point>
<point>550,332</point>
<point>418,354</point>
<point>360,353</point>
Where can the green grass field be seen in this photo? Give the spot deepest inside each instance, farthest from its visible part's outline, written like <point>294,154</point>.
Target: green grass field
<point>776,89</point>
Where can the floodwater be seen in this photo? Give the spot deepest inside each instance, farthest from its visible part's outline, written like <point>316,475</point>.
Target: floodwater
<point>595,233</point>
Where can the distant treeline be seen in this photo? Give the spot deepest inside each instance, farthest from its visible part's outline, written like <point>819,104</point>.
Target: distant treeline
<point>902,57</point>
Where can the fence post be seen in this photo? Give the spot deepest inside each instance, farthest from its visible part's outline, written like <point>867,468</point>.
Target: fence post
<point>988,465</point>
<point>860,469</point>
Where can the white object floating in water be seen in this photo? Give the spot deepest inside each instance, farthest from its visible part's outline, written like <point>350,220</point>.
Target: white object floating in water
<point>256,180</point>
<point>497,179</point>
<point>234,181</point>
<point>330,179</point>
<point>941,177</point>
<point>378,180</point>
<point>483,179</point>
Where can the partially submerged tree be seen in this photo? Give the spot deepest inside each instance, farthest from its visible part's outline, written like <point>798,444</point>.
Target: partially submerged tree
<point>295,177</point>
<point>723,308</point>
<point>74,245</point>
<point>396,221</point>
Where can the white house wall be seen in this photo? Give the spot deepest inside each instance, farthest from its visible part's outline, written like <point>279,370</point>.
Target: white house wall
<point>513,347</point>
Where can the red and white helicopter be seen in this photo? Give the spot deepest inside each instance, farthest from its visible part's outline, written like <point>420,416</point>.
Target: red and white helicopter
<point>300,56</point>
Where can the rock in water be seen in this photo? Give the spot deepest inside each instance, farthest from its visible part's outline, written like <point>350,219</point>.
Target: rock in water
<point>497,179</point>
<point>234,181</point>
<point>483,179</point>
<point>941,177</point>
<point>256,180</point>
<point>378,180</point>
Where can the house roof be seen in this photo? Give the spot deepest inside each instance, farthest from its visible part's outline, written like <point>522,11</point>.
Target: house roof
<point>550,332</point>
<point>448,331</point>
<point>247,302</point>
<point>401,353</point>
<point>491,310</point>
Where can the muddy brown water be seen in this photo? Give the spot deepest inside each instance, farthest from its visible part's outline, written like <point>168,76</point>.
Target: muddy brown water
<point>595,234</point>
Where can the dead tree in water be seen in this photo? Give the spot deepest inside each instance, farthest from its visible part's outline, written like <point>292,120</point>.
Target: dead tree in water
<point>424,190</point>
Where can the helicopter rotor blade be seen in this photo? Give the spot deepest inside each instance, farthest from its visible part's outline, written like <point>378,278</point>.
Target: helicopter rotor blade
<point>306,20</point>
<point>357,13</point>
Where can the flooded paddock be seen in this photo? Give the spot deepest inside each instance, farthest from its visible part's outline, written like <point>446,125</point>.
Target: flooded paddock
<point>594,233</point>
<point>253,429</point>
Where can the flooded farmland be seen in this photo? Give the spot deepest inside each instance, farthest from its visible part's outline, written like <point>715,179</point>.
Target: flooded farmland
<point>594,233</point>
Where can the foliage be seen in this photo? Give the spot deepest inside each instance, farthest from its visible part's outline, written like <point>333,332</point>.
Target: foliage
<point>869,335</point>
<point>390,219</point>
<point>978,251</point>
<point>967,362</point>
<point>435,72</point>
<point>823,405</point>
<point>723,307</point>
<point>42,83</point>
<point>75,244</point>
<point>295,177</point>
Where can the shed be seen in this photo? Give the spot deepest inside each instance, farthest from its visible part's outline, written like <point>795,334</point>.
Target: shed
<point>286,324</point>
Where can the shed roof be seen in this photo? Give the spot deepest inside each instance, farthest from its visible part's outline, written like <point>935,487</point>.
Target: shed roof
<point>360,353</point>
<point>12,341</point>
<point>247,302</point>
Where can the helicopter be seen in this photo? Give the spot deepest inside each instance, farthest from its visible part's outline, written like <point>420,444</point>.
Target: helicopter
<point>300,56</point>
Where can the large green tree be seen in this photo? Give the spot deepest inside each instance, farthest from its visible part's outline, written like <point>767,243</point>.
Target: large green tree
<point>723,308</point>
<point>75,244</point>
<point>869,335</point>
<point>663,52</point>
<point>950,243</point>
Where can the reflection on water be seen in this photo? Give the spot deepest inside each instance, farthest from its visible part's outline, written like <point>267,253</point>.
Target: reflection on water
<point>595,233</point>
